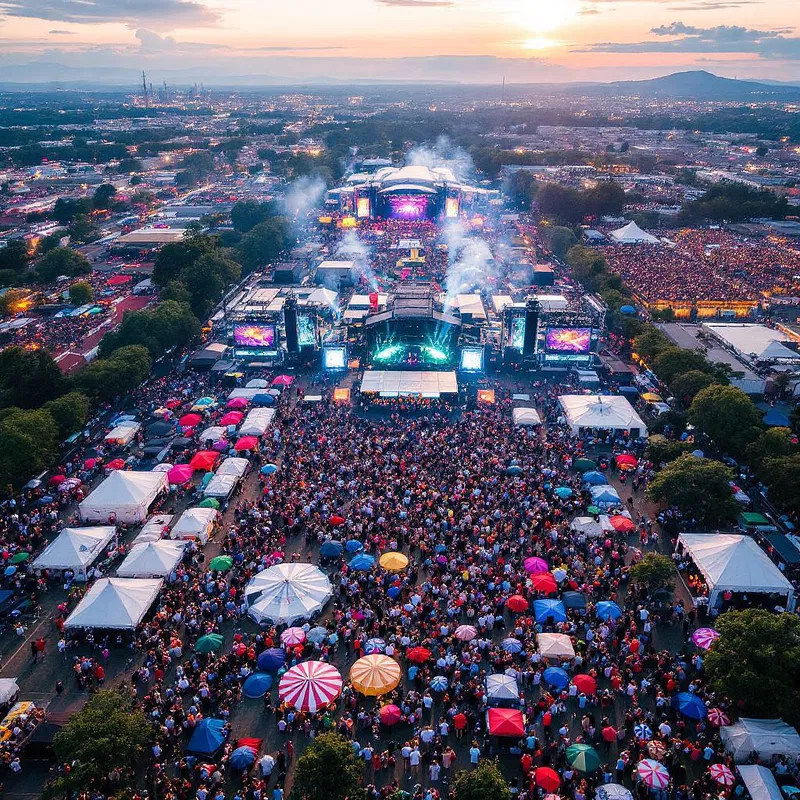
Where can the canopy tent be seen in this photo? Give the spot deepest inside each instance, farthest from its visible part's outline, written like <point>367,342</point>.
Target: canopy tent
<point>118,603</point>
<point>221,486</point>
<point>75,549</point>
<point>213,434</point>
<point>589,526</point>
<point>501,689</point>
<point>287,592</point>
<point>555,645</point>
<point>760,782</point>
<point>154,529</point>
<point>9,689</point>
<point>207,738</point>
<point>505,722</point>
<point>233,466</point>
<point>195,523</point>
<point>633,234</point>
<point>606,412</point>
<point>409,384</point>
<point>152,560</point>
<point>604,497</point>
<point>526,416</point>
<point>731,562</point>
<point>124,497</point>
<point>767,737</point>
<point>256,422</point>
<point>122,435</point>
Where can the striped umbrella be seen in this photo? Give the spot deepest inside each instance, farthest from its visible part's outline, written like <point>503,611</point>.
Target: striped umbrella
<point>375,675</point>
<point>656,749</point>
<point>466,633</point>
<point>642,731</point>
<point>583,757</point>
<point>722,774</point>
<point>293,636</point>
<point>705,637</point>
<point>718,718</point>
<point>653,774</point>
<point>310,685</point>
<point>439,683</point>
<point>512,645</point>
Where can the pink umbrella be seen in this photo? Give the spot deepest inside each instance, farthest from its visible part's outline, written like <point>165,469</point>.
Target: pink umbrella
<point>283,380</point>
<point>221,445</point>
<point>466,633</point>
<point>535,565</point>
<point>90,463</point>
<point>293,636</point>
<point>180,473</point>
<point>310,685</point>
<point>722,774</point>
<point>718,717</point>
<point>390,715</point>
<point>653,774</point>
<point>232,418</point>
<point>246,443</point>
<point>190,420</point>
<point>237,402</point>
<point>705,637</point>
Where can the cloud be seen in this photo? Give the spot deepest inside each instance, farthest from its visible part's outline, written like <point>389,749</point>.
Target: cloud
<point>57,32</point>
<point>416,3</point>
<point>156,13</point>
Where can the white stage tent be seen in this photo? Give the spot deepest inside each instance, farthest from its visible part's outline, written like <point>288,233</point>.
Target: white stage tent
<point>409,384</point>
<point>767,737</point>
<point>606,412</point>
<point>233,466</point>
<point>526,416</point>
<point>287,592</point>
<point>632,234</point>
<point>195,523</point>
<point>256,422</point>
<point>126,495</point>
<point>152,560</point>
<point>555,645</point>
<point>118,603</point>
<point>760,782</point>
<point>731,562</point>
<point>75,549</point>
<point>221,486</point>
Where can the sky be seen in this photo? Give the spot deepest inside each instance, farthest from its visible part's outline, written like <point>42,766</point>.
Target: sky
<point>470,41</point>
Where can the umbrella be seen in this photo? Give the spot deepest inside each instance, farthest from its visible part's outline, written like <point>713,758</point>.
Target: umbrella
<point>271,660</point>
<point>208,643</point>
<point>336,520</point>
<point>331,549</point>
<point>656,749</point>
<point>512,645</point>
<point>514,469</point>
<point>231,418</point>
<point>556,677</point>
<point>390,715</point>
<point>242,758</point>
<point>583,757</point>
<point>393,562</point>
<point>317,634</point>
<point>466,633</point>
<point>547,779</point>
<point>19,558</point>
<point>705,637</point>
<point>594,510</point>
<point>283,380</point>
<point>606,609</point>
<point>609,734</point>
<point>544,583</point>
<point>190,420</point>
<point>269,469</point>
<point>613,791</point>
<point>584,464</point>
<point>642,731</point>
<point>257,383</point>
<point>517,603</point>
<point>209,502</point>
<point>627,460</point>
<point>204,460</point>
<point>375,675</point>
<point>362,562</point>
<point>237,402</point>
<point>790,791</point>
<point>653,774</point>
<point>622,524</point>
<point>585,683</point>
<point>690,705</point>
<point>353,546</point>
<point>204,402</point>
<point>246,443</point>
<point>56,479</point>
<point>460,721</point>
<point>545,610</point>
<point>257,685</point>
<point>419,655</point>
<point>594,478</point>
<point>286,592</point>
<point>117,463</point>
<point>439,683</point>
<point>310,685</point>
<point>9,571</point>
<point>220,564</point>
<point>722,774</point>
<point>292,637</point>
<point>180,473</point>
<point>564,492</point>
<point>535,565</point>
<point>374,645</point>
<point>718,718</point>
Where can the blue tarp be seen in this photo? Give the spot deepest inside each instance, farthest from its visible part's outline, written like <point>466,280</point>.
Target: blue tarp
<point>207,737</point>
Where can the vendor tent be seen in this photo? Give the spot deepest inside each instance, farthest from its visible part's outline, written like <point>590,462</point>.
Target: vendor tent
<point>604,496</point>
<point>233,466</point>
<point>505,722</point>
<point>731,562</point>
<point>526,416</point>
<point>555,645</point>
<point>213,434</point>
<point>501,689</point>
<point>221,486</point>
<point>760,782</point>
<point>287,592</point>
<point>118,603</point>
<point>75,549</point>
<point>195,523</point>
<point>124,497</point>
<point>122,435</point>
<point>152,560</point>
<point>9,690</point>
<point>632,234</point>
<point>586,525</point>
<point>604,412</point>
<point>154,529</point>
<point>256,422</point>
<point>767,737</point>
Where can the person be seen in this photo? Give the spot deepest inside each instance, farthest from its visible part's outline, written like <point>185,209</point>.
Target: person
<point>266,764</point>
<point>474,753</point>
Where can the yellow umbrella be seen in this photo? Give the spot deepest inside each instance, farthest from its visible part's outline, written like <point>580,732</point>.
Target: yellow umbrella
<point>394,562</point>
<point>375,675</point>
<point>652,397</point>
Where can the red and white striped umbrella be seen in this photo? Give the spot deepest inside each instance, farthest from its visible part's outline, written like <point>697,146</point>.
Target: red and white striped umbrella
<point>293,636</point>
<point>705,637</point>
<point>654,774</point>
<point>310,685</point>
<point>718,717</point>
<point>722,774</point>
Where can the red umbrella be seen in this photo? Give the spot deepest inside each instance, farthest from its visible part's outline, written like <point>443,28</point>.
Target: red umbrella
<point>232,418</point>
<point>622,524</point>
<point>627,460</point>
<point>56,479</point>
<point>173,404</point>
<point>237,402</point>
<point>246,443</point>
<point>418,655</point>
<point>717,717</point>
<point>609,734</point>
<point>506,722</point>
<point>460,721</point>
<point>585,683</point>
<point>117,463</point>
<point>547,779</point>
<point>204,460</point>
<point>722,774</point>
<point>517,603</point>
<point>336,520</point>
<point>390,715</point>
<point>90,463</point>
<point>190,420</point>
<point>544,583</point>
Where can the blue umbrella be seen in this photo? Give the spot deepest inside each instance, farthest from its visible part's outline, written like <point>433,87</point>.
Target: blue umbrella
<point>269,469</point>
<point>627,309</point>
<point>362,562</point>
<point>642,731</point>
<point>556,677</point>
<point>317,635</point>
<point>12,570</point>
<point>512,645</point>
<point>263,400</point>
<point>440,548</point>
<point>606,609</point>
<point>375,645</point>
<point>439,683</point>
<point>553,610</point>
<point>242,758</point>
<point>353,546</point>
<point>271,660</point>
<point>690,705</point>
<point>331,549</point>
<point>564,492</point>
<point>594,478</point>
<point>572,600</point>
<point>514,470</point>
<point>393,591</point>
<point>257,685</point>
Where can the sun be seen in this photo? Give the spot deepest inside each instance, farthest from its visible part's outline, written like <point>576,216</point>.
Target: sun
<point>539,18</point>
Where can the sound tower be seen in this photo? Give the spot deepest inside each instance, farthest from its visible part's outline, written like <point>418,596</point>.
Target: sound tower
<point>532,309</point>
<point>290,318</point>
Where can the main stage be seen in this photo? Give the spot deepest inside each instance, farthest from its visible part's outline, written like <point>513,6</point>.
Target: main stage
<point>388,383</point>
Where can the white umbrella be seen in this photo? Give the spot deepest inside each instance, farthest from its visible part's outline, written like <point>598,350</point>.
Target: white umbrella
<point>613,791</point>
<point>287,592</point>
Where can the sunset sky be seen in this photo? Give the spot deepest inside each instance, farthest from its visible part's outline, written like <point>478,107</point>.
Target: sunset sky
<point>464,40</point>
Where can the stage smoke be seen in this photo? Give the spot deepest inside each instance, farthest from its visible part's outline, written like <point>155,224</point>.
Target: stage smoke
<point>351,248</point>
<point>301,197</point>
<point>443,154</point>
<point>470,263</point>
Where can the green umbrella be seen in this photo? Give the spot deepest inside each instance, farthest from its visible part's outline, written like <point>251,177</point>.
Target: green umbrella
<point>594,510</point>
<point>584,464</point>
<point>209,502</point>
<point>221,563</point>
<point>583,757</point>
<point>18,558</point>
<point>208,643</point>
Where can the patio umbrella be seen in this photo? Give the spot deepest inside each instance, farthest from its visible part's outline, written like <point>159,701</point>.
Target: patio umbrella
<point>460,721</point>
<point>705,637</point>
<point>362,562</point>
<point>594,478</point>
<point>439,683</point>
<point>115,464</point>
<point>544,583</point>
<point>653,774</point>
<point>593,510</point>
<point>19,558</point>
<point>583,757</point>
<point>331,549</point>
<point>547,779</point>
<point>231,418</point>
<point>466,633</point>
<point>656,749</point>
<point>622,524</point>
<point>353,546</point>
<point>690,705</point>
<point>512,645</point>
<point>204,402</point>
<point>606,609</point>
<point>585,683</point>
<point>374,645</point>
<point>283,380</point>
<point>237,403</point>
<point>242,758</point>
<point>583,464</point>
<point>642,731</point>
<point>9,571</point>
<point>545,610</point>
<point>220,564</point>
<point>310,685</point>
<point>246,443</point>
<point>627,460</point>
<point>291,637</point>
<point>204,460</point>
<point>564,492</point>
<point>190,420</point>
<point>317,634</point>
<point>722,774</point>
<point>390,715</point>
<point>556,677</point>
<point>517,603</point>
<point>609,734</point>
<point>257,383</point>
<point>613,791</point>
<point>419,655</point>
<point>393,562</point>
<point>271,660</point>
<point>375,675</point>
<point>257,685</point>
<point>269,469</point>
<point>535,565</point>
<point>718,718</point>
<point>336,520</point>
<point>514,469</point>
<point>209,643</point>
<point>209,502</point>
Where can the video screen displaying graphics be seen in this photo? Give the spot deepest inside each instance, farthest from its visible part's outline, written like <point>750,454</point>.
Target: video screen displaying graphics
<point>411,207</point>
<point>472,359</point>
<point>516,333</point>
<point>451,208</point>
<point>306,332</point>
<point>334,358</point>
<point>362,208</point>
<point>254,336</point>
<point>568,340</point>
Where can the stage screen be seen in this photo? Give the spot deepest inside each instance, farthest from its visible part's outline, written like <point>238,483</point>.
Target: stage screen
<point>306,335</point>
<point>516,333</point>
<point>363,209</point>
<point>451,207</point>
<point>334,358</point>
<point>568,340</point>
<point>411,207</point>
<point>254,336</point>
<point>472,359</point>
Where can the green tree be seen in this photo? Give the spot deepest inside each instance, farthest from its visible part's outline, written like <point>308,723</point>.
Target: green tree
<point>80,293</point>
<point>727,416</point>
<point>782,477</point>
<point>661,450</point>
<point>698,487</point>
<point>686,385</point>
<point>520,190</point>
<point>559,239</point>
<point>28,444</point>
<point>106,378</point>
<point>327,770</point>
<point>103,195</point>
<point>485,782</point>
<point>675,361</point>
<point>650,343</point>
<point>83,229</point>
<point>63,261</point>
<point>14,256</point>
<point>246,214</point>
<point>561,203</point>
<point>70,412</point>
<point>771,443</point>
<point>173,259</point>
<point>756,661</point>
<point>28,378</point>
<point>263,244</point>
<point>65,209</point>
<point>656,571</point>
<point>177,291</point>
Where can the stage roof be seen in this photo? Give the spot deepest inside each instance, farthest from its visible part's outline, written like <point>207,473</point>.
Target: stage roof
<point>409,384</point>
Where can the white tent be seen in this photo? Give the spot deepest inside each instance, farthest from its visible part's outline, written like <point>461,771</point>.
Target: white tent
<point>760,783</point>
<point>607,412</point>
<point>195,523</point>
<point>501,687</point>
<point>256,422</point>
<point>526,416</point>
<point>154,529</point>
<point>123,434</point>
<point>555,645</point>
<point>287,592</point>
<point>767,737</point>
<point>152,560</point>
<point>257,383</point>
<point>731,562</point>
<point>75,549</point>
<point>213,434</point>
<point>586,525</point>
<point>633,234</point>
<point>118,603</point>
<point>221,486</point>
<point>8,690</point>
<point>604,496</point>
<point>125,496</point>
<point>233,466</point>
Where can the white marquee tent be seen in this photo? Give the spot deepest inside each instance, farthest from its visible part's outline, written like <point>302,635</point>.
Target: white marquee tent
<point>767,737</point>
<point>555,645</point>
<point>256,422</point>
<point>502,687</point>
<point>125,495</point>
<point>589,526</point>
<point>233,466</point>
<point>633,234</point>
<point>221,486</point>
<point>287,592</point>
<point>152,560</point>
<point>760,782</point>
<point>606,412</point>
<point>526,416</point>
<point>118,603</point>
<point>195,523</point>
<point>730,562</point>
<point>75,549</point>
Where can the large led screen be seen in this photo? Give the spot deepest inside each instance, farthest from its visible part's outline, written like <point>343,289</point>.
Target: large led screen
<point>306,334</point>
<point>411,207</point>
<point>516,333</point>
<point>254,336</point>
<point>568,340</point>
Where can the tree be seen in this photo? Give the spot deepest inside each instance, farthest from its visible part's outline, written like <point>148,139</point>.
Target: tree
<point>83,229</point>
<point>698,487</point>
<point>561,202</point>
<point>106,378</point>
<point>63,261</point>
<point>756,660</point>
<point>103,196</point>
<point>80,293</point>
<point>782,476</point>
<point>28,378</point>
<point>263,243</point>
<point>70,412</point>
<point>686,385</point>
<point>675,361</point>
<point>105,735</point>
<point>207,279</point>
<point>327,770</point>
<point>246,214</point>
<point>771,443</point>
<point>656,571</point>
<point>727,416</point>
<point>650,343</point>
<point>28,444</point>
<point>14,256</point>
<point>559,239</point>
<point>661,450</point>
<point>65,210</point>
<point>173,259</point>
<point>520,190</point>
<point>485,782</point>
